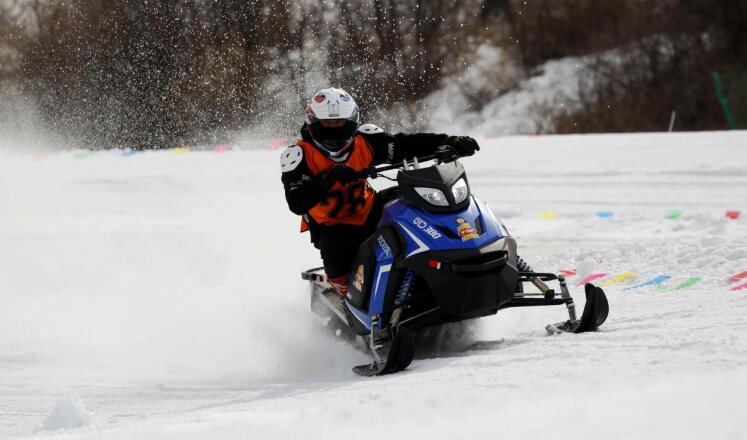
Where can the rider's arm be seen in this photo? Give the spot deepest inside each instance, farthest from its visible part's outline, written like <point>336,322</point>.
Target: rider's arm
<point>302,189</point>
<point>393,148</point>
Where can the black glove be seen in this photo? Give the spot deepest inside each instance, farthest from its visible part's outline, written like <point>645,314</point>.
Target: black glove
<point>344,174</point>
<point>464,145</point>
<point>446,153</point>
<point>341,173</point>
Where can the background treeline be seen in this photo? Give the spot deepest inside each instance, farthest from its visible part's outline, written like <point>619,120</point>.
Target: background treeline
<point>148,73</point>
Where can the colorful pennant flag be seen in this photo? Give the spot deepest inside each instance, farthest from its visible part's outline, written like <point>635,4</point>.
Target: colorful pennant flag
<point>652,282</point>
<point>733,214</point>
<point>605,214</point>
<point>591,278</point>
<point>618,279</point>
<point>674,214</point>
<point>739,287</point>
<point>548,215</point>
<point>78,155</point>
<point>277,143</point>
<point>737,277</point>
<point>688,283</point>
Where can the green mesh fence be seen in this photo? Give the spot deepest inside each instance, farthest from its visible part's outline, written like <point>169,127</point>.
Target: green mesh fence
<point>731,90</point>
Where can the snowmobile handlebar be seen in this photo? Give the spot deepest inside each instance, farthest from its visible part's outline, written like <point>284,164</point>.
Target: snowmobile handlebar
<point>444,153</point>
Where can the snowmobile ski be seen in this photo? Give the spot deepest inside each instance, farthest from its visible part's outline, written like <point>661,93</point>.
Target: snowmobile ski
<point>399,357</point>
<point>595,313</point>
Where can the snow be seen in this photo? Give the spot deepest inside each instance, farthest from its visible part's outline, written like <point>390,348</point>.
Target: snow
<point>494,96</point>
<point>521,104</point>
<point>164,290</point>
<point>69,413</point>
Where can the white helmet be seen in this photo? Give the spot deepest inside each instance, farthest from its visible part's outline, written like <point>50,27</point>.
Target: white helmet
<point>332,103</point>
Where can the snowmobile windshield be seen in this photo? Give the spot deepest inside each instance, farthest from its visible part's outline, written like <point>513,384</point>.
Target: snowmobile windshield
<point>439,188</point>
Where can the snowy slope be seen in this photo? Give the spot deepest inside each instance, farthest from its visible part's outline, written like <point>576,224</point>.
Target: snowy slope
<point>161,291</point>
<point>528,107</point>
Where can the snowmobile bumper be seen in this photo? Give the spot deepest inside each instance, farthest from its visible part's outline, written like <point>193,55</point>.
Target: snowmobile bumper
<point>467,283</point>
<point>546,295</point>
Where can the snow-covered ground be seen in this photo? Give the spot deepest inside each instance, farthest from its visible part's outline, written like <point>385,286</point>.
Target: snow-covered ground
<point>157,295</point>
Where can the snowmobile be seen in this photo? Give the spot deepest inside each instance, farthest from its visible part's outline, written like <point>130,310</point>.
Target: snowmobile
<point>439,255</point>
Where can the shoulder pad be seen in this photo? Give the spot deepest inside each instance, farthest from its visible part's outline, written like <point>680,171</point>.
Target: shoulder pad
<point>290,158</point>
<point>370,129</point>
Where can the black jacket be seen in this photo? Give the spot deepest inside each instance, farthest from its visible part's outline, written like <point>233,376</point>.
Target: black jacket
<point>303,192</point>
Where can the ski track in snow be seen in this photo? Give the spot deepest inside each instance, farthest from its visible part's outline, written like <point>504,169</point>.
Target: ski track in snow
<point>164,291</point>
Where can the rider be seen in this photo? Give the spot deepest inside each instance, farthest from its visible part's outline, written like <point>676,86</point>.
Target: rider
<point>322,183</point>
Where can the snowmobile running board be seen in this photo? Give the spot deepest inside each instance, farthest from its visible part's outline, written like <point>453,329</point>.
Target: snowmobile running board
<point>314,275</point>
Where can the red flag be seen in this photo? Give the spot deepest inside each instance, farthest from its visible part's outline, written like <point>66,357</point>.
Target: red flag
<point>737,277</point>
<point>591,278</point>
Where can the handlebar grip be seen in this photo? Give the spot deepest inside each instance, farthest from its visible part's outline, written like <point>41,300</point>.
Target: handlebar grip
<point>374,172</point>
<point>367,173</point>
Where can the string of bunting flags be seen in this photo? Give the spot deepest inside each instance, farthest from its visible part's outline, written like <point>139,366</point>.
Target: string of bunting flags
<point>177,151</point>
<point>78,154</point>
<point>277,143</point>
<point>671,215</point>
<point>736,282</point>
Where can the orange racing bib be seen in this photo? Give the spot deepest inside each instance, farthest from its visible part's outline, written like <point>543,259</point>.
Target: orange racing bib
<point>346,204</point>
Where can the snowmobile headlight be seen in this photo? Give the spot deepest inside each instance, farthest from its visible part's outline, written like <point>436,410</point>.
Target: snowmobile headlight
<point>432,196</point>
<point>460,191</point>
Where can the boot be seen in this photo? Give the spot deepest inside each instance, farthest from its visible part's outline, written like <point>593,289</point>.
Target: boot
<point>340,284</point>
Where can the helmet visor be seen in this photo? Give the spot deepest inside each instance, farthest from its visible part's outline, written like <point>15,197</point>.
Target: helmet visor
<point>336,135</point>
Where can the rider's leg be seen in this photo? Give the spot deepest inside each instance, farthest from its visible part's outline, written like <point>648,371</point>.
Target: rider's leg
<point>339,244</point>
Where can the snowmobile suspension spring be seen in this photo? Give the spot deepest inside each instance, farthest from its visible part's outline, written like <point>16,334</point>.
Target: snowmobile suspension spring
<point>522,265</point>
<point>406,288</point>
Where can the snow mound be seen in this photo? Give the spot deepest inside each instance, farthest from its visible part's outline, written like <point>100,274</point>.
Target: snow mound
<point>69,413</point>
<point>586,267</point>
